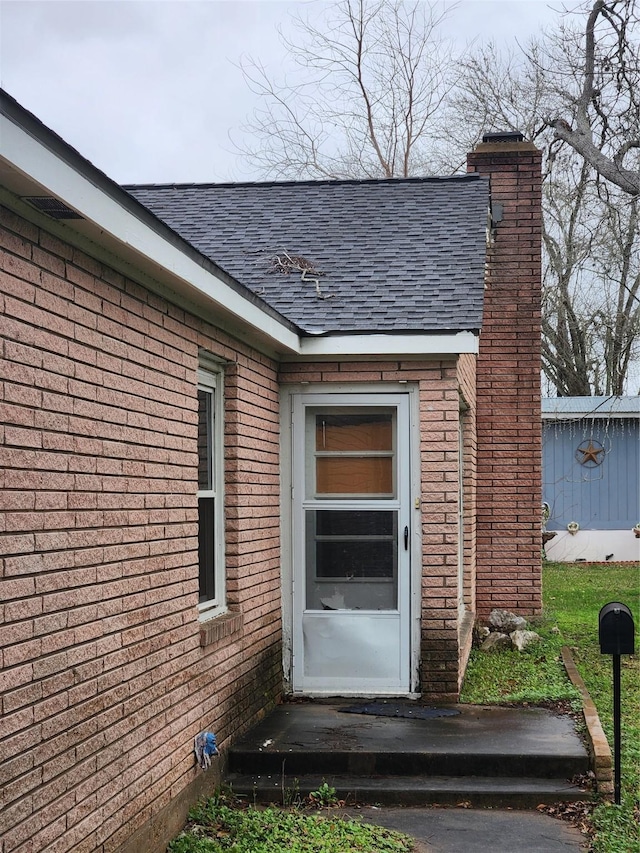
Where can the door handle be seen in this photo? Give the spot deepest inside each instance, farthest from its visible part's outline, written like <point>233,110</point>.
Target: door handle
<point>406,538</point>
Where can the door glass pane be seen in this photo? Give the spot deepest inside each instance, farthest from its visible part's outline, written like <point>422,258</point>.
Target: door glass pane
<point>337,475</point>
<point>351,558</point>
<point>354,432</point>
<point>354,453</point>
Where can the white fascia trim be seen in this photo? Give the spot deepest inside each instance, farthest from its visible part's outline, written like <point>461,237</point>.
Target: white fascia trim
<point>372,345</point>
<point>36,161</point>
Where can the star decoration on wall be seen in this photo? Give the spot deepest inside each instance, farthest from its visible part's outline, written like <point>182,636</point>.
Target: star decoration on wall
<point>590,453</point>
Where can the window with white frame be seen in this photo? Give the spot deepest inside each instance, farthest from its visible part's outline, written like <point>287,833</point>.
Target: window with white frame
<point>210,494</point>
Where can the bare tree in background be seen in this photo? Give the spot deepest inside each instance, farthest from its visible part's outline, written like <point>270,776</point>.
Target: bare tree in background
<point>591,242</point>
<point>599,100</point>
<point>619,254</point>
<point>364,96</point>
<point>591,310</point>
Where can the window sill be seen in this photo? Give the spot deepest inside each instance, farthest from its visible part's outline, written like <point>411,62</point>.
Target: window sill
<point>220,627</point>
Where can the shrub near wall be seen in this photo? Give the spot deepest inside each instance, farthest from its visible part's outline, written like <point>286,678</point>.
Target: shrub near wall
<point>105,680</point>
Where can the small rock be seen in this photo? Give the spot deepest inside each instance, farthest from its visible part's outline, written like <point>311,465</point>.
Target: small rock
<point>505,621</point>
<point>482,632</point>
<point>496,641</point>
<point>522,639</point>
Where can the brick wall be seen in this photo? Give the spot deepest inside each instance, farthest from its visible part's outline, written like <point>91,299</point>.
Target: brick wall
<point>439,405</point>
<point>509,425</point>
<point>439,446</point>
<point>105,680</point>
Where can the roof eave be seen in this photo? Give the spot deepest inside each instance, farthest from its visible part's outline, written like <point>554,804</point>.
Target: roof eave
<point>36,161</point>
<point>591,408</point>
<point>122,232</point>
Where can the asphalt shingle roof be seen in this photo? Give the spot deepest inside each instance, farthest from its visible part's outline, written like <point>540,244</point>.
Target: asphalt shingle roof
<point>391,256</point>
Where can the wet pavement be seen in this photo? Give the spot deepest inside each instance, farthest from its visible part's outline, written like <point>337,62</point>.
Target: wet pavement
<point>452,830</point>
<point>477,732</point>
<point>414,774</point>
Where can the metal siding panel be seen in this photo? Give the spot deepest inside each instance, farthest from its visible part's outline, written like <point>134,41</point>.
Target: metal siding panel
<point>602,498</point>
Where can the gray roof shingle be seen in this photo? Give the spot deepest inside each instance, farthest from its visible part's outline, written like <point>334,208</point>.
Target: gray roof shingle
<point>392,256</point>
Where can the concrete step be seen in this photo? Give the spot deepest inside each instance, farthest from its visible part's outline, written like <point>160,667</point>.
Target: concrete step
<point>484,756</point>
<point>470,791</point>
<point>542,765</point>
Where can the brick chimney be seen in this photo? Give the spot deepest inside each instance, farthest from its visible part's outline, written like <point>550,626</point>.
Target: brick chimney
<point>509,485</point>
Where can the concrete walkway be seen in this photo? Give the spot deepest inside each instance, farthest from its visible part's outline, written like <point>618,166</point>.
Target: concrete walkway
<point>476,830</point>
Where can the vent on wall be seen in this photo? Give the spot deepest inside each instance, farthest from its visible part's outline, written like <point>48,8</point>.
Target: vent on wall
<point>52,207</point>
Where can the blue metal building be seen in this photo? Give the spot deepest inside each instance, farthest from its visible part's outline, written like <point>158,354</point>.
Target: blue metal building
<point>591,477</point>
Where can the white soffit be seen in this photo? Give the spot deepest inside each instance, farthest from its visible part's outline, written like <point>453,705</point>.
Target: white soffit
<point>56,177</point>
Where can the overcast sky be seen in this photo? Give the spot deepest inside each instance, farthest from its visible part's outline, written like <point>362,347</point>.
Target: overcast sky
<point>150,91</point>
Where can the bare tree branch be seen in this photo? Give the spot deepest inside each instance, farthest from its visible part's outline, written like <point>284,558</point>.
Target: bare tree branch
<point>611,65</point>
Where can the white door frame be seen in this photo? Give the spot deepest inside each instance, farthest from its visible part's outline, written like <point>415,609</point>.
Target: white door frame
<point>374,394</point>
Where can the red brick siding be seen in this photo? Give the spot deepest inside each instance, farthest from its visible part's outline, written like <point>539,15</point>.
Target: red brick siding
<point>104,680</point>
<point>509,425</point>
<point>439,419</point>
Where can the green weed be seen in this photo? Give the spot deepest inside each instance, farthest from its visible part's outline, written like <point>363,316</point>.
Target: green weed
<point>291,796</point>
<point>324,796</point>
<point>535,675</point>
<point>216,828</point>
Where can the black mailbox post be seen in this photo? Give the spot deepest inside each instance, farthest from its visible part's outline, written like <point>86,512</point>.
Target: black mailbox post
<point>616,634</point>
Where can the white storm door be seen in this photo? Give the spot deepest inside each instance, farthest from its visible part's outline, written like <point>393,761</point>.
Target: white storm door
<point>351,544</point>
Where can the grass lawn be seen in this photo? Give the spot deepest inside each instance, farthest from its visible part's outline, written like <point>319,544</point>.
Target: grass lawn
<point>573,596</point>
